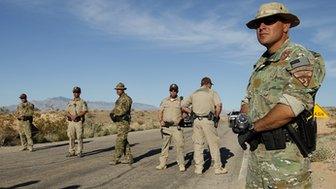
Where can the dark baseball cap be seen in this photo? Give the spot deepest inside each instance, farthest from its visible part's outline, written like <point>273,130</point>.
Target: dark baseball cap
<point>206,80</point>
<point>23,96</point>
<point>173,87</point>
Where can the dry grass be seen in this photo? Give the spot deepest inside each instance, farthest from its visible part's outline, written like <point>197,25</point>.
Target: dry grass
<point>53,125</point>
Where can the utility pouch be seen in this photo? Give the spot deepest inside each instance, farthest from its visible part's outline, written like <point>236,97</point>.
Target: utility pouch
<point>27,118</point>
<point>77,119</point>
<point>274,140</point>
<point>168,124</point>
<point>211,116</point>
<point>127,117</point>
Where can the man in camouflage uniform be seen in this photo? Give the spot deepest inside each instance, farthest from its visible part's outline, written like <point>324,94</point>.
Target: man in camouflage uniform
<point>206,106</point>
<point>24,113</point>
<point>170,117</point>
<point>76,110</point>
<point>121,115</point>
<point>283,84</point>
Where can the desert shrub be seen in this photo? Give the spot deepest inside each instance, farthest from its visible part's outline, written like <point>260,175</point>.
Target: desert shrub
<point>8,130</point>
<point>323,150</point>
<point>52,127</point>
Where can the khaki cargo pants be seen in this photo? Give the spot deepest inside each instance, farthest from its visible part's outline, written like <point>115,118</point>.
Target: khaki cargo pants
<point>278,168</point>
<point>25,135</point>
<point>75,130</point>
<point>172,134</point>
<point>204,130</point>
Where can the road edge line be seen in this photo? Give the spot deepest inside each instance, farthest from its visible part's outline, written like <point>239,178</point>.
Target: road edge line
<point>243,170</point>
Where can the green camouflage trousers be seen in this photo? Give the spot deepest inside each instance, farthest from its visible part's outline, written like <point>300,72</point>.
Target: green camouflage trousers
<point>278,168</point>
<point>25,134</point>
<point>122,146</point>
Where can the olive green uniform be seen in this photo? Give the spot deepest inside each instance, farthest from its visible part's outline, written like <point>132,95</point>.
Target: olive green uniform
<point>122,110</point>
<point>75,128</point>
<point>290,76</point>
<point>171,110</point>
<point>25,110</point>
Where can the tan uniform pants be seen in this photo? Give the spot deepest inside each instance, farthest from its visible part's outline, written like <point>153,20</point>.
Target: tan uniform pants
<point>75,129</point>
<point>204,129</point>
<point>25,135</point>
<point>169,134</point>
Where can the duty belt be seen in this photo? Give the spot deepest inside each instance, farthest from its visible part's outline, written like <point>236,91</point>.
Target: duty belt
<point>201,117</point>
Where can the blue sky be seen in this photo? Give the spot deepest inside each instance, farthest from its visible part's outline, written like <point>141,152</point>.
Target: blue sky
<point>48,46</point>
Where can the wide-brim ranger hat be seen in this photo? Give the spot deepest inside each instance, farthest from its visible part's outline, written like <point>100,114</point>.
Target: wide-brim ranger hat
<point>120,86</point>
<point>273,9</point>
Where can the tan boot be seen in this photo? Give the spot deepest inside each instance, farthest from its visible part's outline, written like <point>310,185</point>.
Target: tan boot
<point>220,170</point>
<point>199,170</point>
<point>182,168</point>
<point>161,167</point>
<point>114,161</point>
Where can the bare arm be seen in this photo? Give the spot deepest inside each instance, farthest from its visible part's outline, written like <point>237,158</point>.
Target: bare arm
<point>82,113</point>
<point>161,117</point>
<point>278,116</point>
<point>186,110</point>
<point>218,109</point>
<point>244,108</point>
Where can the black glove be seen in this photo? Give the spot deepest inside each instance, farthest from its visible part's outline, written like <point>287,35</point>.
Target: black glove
<point>112,117</point>
<point>249,137</point>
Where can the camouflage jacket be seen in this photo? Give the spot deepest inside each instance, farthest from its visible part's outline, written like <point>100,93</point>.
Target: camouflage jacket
<point>122,105</point>
<point>290,76</point>
<point>25,109</point>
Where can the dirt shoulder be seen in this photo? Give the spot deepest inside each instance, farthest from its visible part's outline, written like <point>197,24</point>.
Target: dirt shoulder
<point>324,162</point>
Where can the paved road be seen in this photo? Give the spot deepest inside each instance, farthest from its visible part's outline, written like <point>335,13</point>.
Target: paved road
<point>48,167</point>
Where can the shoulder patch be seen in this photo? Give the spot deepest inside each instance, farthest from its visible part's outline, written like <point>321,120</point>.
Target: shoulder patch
<point>302,61</point>
<point>303,74</point>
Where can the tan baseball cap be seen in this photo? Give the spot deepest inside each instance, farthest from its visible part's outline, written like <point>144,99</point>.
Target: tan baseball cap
<point>273,9</point>
<point>120,86</point>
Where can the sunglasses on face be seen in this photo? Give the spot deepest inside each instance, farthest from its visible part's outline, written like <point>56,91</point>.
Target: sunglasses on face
<point>175,91</point>
<point>267,21</point>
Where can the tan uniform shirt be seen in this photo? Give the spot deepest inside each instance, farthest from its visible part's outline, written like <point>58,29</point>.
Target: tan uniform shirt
<point>203,101</point>
<point>171,108</point>
<point>76,106</point>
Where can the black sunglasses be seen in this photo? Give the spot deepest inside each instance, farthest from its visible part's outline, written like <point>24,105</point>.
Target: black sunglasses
<point>267,21</point>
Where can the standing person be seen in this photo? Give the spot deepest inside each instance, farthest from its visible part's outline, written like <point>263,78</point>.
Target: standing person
<point>206,107</point>
<point>170,116</point>
<point>24,113</point>
<point>121,115</point>
<point>280,92</point>
<point>76,110</point>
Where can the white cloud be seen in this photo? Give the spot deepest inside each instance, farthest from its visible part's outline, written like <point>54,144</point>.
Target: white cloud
<point>326,37</point>
<point>122,19</point>
<point>219,29</point>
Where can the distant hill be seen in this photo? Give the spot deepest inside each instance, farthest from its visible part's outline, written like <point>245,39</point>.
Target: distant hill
<point>60,103</point>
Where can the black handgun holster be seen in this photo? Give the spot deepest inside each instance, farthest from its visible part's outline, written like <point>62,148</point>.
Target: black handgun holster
<point>307,128</point>
<point>274,140</point>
